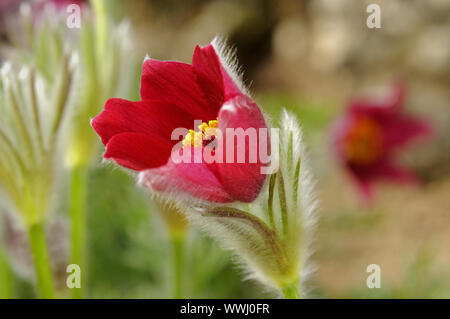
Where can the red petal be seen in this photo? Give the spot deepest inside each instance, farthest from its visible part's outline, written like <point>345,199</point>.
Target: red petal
<point>395,173</point>
<point>230,87</point>
<point>175,82</point>
<point>365,176</point>
<point>195,179</point>
<point>154,118</point>
<point>137,151</point>
<point>206,65</point>
<point>243,181</point>
<point>214,80</point>
<point>399,131</point>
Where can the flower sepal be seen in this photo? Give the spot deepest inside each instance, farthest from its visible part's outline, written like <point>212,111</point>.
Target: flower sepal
<point>271,235</point>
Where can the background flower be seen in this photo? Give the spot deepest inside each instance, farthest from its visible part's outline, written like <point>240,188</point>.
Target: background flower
<point>367,136</point>
<point>31,162</point>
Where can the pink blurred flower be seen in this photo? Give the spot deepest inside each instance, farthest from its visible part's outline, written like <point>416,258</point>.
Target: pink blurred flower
<point>60,5</point>
<point>7,5</point>
<point>367,136</point>
<point>56,9</point>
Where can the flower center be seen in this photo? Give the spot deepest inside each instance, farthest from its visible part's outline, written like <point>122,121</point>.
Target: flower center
<point>364,142</point>
<point>206,133</point>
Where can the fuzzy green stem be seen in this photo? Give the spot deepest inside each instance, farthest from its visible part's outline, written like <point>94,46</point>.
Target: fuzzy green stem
<point>9,145</point>
<point>101,28</point>
<point>296,181</point>
<point>41,259</point>
<point>290,149</point>
<point>291,291</point>
<point>77,209</point>
<point>5,284</point>
<point>283,203</point>
<point>35,110</point>
<point>177,261</point>
<point>61,97</point>
<point>270,200</point>
<point>268,234</point>
<point>20,120</point>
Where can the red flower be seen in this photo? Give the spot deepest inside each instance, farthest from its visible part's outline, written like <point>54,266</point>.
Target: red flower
<point>137,135</point>
<point>367,136</point>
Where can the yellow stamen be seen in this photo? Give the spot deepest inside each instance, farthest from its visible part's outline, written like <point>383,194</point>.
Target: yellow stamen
<point>203,127</point>
<point>206,131</point>
<point>364,142</point>
<point>213,123</point>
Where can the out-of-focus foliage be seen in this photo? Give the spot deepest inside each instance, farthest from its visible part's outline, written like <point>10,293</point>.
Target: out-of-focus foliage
<point>129,250</point>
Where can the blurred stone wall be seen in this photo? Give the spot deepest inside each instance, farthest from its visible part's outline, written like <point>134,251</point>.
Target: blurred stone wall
<point>319,49</point>
<point>307,44</point>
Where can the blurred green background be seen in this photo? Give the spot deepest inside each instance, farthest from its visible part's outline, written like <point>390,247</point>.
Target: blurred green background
<point>308,57</point>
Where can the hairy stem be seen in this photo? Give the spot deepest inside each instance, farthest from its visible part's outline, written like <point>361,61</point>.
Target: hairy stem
<point>77,210</point>
<point>283,203</point>
<point>35,110</point>
<point>5,284</point>
<point>177,261</point>
<point>61,98</point>
<point>10,147</point>
<point>266,233</point>
<point>41,260</point>
<point>296,181</point>
<point>270,199</point>
<point>291,291</point>
<point>20,120</point>
<point>290,149</point>
<point>101,27</point>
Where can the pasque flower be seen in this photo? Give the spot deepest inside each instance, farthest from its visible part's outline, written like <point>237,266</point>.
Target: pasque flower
<point>137,135</point>
<point>267,227</point>
<point>367,136</point>
<point>29,156</point>
<point>39,33</point>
